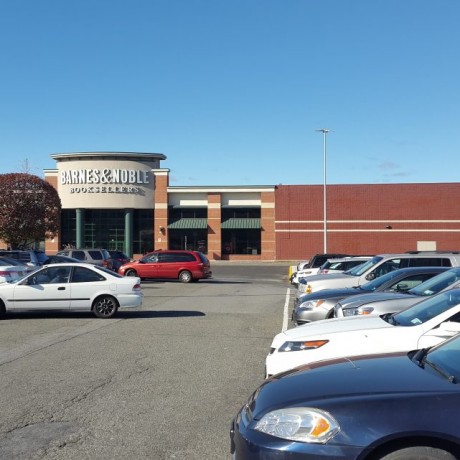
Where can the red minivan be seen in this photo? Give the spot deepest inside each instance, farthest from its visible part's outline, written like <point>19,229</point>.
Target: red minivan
<point>186,266</point>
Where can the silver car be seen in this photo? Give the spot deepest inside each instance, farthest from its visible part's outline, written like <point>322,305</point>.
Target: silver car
<point>320,305</point>
<point>384,302</point>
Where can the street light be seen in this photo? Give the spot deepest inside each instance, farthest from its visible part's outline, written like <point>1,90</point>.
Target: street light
<point>324,131</point>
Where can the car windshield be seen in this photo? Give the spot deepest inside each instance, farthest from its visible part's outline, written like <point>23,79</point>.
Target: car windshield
<point>427,309</point>
<point>360,269</point>
<point>373,285</point>
<point>445,359</point>
<point>437,283</point>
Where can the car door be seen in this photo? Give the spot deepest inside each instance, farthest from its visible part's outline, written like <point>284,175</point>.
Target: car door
<point>168,265</point>
<point>85,283</point>
<point>41,290</point>
<point>148,266</point>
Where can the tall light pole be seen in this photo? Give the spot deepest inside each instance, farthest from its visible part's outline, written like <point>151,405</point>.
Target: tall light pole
<point>324,131</point>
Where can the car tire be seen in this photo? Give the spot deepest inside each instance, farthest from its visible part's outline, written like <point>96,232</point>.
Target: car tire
<point>419,453</point>
<point>2,310</point>
<point>185,276</point>
<point>105,306</point>
<point>131,272</point>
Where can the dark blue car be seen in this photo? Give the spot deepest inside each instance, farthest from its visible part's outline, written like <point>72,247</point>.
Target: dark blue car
<point>403,406</point>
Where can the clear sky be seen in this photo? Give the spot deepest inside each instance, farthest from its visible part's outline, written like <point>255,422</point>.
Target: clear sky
<point>232,91</point>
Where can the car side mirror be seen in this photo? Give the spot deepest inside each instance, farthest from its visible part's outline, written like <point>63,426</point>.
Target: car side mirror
<point>370,276</point>
<point>401,287</point>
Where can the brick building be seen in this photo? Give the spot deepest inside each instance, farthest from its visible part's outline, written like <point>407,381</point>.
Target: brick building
<point>123,200</point>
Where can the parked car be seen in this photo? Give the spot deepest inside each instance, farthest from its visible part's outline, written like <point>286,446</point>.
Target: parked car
<point>96,256</point>
<point>186,266</point>
<point>31,257</point>
<point>379,265</point>
<point>312,266</point>
<point>72,286</point>
<point>321,304</point>
<point>341,265</point>
<point>399,406</point>
<point>118,259</point>
<point>55,259</point>
<point>425,324</point>
<point>11,270</point>
<point>387,302</point>
<point>331,266</point>
<point>317,260</point>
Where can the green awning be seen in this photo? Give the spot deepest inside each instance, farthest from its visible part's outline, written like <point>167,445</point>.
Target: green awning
<point>238,223</point>
<point>189,223</point>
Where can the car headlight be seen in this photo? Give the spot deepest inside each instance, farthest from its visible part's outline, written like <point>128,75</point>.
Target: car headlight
<point>302,424</point>
<point>302,345</point>
<point>357,311</point>
<point>310,304</point>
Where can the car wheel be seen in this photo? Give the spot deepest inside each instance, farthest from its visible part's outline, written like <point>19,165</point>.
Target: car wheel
<point>419,452</point>
<point>185,276</point>
<point>131,272</point>
<point>2,310</point>
<point>105,306</point>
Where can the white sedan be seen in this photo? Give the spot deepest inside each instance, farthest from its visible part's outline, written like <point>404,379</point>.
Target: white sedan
<point>425,324</point>
<point>72,286</point>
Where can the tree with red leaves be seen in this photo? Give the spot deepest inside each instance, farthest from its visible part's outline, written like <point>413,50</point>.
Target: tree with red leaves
<point>30,210</point>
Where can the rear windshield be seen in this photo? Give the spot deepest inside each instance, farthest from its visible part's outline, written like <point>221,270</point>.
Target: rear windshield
<point>203,258</point>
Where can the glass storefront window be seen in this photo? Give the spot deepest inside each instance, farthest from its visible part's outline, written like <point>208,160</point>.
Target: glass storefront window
<point>105,228</point>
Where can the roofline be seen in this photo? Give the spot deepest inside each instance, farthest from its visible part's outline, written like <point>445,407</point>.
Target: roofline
<point>143,155</point>
<point>221,188</point>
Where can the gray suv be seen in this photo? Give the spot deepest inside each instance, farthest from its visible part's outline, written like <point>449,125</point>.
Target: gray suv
<point>95,256</point>
<point>377,266</point>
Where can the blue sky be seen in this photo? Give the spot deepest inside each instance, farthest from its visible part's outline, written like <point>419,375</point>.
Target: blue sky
<point>232,91</point>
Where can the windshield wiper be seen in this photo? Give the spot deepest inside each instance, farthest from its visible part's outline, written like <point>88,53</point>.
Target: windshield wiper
<point>439,370</point>
<point>419,356</point>
<point>389,318</point>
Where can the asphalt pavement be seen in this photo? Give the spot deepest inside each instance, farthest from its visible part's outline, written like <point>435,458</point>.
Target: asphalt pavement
<point>162,382</point>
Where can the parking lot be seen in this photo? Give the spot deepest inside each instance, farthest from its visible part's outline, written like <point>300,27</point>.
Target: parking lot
<point>160,383</point>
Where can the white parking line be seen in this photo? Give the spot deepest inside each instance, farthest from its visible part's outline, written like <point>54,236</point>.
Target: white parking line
<point>286,311</point>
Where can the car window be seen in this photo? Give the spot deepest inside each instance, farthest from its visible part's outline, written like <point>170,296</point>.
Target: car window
<point>447,357</point>
<point>80,255</point>
<point>428,309</point>
<point>430,262</point>
<point>409,282</point>
<point>437,283</point>
<point>360,269</point>
<point>85,275</point>
<point>59,274</point>
<point>96,255</point>
<point>150,258</point>
<point>203,258</point>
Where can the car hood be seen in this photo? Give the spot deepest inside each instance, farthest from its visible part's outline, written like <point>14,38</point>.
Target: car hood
<point>377,296</point>
<point>328,382</point>
<point>400,299</point>
<point>331,293</point>
<point>328,277</point>
<point>331,326</point>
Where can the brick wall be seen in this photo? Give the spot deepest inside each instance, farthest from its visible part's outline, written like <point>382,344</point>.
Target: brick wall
<point>358,217</point>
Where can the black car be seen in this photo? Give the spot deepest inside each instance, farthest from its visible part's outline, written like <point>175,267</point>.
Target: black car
<point>59,260</point>
<point>400,406</point>
<point>118,259</point>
